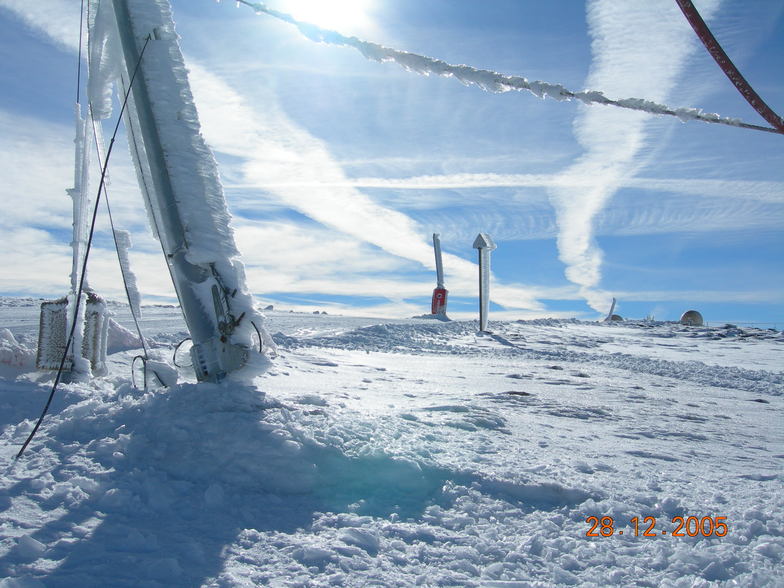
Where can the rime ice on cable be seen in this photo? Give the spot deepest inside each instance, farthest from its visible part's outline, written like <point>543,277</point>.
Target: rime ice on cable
<point>123,241</point>
<point>491,81</point>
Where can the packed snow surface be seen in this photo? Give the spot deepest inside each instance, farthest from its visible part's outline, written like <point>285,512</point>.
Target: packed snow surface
<point>398,453</point>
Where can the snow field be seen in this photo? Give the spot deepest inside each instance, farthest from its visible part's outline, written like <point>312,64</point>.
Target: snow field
<point>404,454</point>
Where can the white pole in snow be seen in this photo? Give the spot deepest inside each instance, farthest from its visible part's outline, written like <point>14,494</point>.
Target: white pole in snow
<point>610,314</point>
<point>485,245</point>
<point>81,198</point>
<point>439,263</point>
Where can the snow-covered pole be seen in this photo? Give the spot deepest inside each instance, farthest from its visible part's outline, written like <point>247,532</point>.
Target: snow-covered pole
<point>80,197</point>
<point>439,262</point>
<point>88,334</point>
<point>438,305</point>
<point>207,288</point>
<point>82,205</point>
<point>485,245</point>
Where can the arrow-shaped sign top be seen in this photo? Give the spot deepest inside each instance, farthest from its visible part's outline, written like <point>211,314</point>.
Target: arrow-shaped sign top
<point>483,241</point>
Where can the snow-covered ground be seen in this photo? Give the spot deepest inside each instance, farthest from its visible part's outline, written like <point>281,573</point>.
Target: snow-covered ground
<point>397,453</point>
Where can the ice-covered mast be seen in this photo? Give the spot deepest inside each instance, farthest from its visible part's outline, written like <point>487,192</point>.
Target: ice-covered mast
<point>86,344</point>
<point>178,177</point>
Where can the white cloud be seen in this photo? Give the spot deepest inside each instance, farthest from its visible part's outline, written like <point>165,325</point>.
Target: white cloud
<point>357,236</point>
<point>25,248</point>
<point>37,264</point>
<point>624,65</point>
<point>40,173</point>
<point>705,296</point>
<point>36,173</point>
<point>765,191</point>
<point>57,19</point>
<point>275,149</point>
<point>37,215</point>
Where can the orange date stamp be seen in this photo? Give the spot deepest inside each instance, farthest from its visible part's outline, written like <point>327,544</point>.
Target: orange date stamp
<point>646,527</point>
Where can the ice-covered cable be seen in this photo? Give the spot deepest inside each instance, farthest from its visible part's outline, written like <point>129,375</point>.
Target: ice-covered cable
<point>122,241</point>
<point>491,81</point>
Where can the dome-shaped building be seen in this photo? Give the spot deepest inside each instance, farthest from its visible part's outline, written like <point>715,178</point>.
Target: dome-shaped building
<point>692,318</point>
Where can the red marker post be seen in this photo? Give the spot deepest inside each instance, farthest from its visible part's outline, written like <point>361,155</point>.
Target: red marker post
<point>439,301</point>
<point>438,305</point>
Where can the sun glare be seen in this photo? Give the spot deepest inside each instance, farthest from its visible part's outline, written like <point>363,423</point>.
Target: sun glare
<point>339,15</point>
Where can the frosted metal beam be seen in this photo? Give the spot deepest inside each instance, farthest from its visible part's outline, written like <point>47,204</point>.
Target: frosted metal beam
<point>213,354</point>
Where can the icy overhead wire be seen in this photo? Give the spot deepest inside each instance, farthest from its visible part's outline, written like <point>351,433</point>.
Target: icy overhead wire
<point>726,65</point>
<point>491,81</point>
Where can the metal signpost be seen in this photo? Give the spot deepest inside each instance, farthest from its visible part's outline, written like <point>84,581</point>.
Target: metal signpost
<point>485,245</point>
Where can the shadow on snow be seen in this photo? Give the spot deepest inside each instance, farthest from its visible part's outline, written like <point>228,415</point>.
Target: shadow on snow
<point>153,489</point>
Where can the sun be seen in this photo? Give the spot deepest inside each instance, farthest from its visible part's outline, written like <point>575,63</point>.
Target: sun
<point>338,15</point>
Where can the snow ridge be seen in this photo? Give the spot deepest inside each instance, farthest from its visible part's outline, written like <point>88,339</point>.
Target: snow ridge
<point>459,337</point>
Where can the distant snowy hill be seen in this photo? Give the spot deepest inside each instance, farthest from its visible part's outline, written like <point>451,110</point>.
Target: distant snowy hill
<point>399,453</point>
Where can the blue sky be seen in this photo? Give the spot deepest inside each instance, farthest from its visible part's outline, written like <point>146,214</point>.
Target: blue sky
<point>338,169</point>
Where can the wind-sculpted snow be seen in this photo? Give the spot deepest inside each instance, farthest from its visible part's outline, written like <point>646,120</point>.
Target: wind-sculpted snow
<point>389,337</point>
<point>14,354</point>
<point>165,477</point>
<point>400,454</point>
<point>459,338</point>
